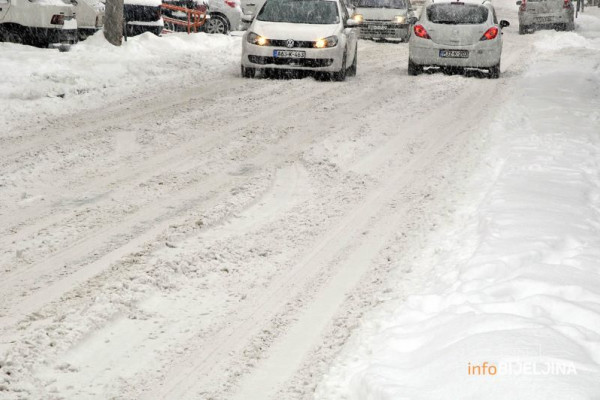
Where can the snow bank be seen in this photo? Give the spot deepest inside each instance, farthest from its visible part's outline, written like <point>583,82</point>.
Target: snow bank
<point>513,311</point>
<point>53,83</point>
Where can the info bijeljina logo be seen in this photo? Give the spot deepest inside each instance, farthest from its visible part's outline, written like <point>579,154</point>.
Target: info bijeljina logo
<point>533,361</point>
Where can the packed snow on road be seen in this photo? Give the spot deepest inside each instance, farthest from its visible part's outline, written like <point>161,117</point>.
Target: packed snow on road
<point>171,229</point>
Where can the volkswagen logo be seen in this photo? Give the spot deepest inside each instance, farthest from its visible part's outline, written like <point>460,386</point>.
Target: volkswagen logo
<point>290,43</point>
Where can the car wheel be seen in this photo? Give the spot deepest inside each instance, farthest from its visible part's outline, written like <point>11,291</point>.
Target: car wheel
<point>494,72</point>
<point>248,72</point>
<point>217,24</point>
<point>523,29</point>
<point>340,76</point>
<point>414,69</point>
<point>353,68</point>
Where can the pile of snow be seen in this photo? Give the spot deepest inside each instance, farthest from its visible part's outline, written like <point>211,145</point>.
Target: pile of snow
<point>513,309</point>
<point>53,83</point>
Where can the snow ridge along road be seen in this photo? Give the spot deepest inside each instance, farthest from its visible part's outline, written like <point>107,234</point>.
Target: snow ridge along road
<point>151,255</point>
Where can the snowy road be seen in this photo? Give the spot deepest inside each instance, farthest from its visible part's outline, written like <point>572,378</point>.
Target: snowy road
<point>221,238</point>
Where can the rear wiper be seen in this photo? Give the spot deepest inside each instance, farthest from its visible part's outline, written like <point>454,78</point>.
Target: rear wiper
<point>446,22</point>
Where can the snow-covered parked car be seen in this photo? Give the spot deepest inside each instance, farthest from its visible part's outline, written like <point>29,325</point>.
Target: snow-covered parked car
<point>554,14</point>
<point>143,16</point>
<point>90,17</point>
<point>453,35</point>
<point>313,35</point>
<point>225,16</point>
<point>43,23</point>
<point>385,19</point>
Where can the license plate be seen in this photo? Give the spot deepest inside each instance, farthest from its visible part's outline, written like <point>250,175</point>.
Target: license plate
<point>543,19</point>
<point>378,27</point>
<point>289,54</point>
<point>454,53</point>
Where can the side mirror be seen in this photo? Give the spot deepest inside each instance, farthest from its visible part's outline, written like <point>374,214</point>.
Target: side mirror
<point>413,20</point>
<point>247,18</point>
<point>504,24</point>
<point>519,2</point>
<point>351,23</point>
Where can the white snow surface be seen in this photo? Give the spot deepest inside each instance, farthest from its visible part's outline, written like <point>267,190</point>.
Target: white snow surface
<point>515,279</point>
<point>169,230</point>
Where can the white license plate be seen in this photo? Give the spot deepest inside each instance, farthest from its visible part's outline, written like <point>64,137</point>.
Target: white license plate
<point>454,53</point>
<point>543,19</point>
<point>379,27</point>
<point>289,54</point>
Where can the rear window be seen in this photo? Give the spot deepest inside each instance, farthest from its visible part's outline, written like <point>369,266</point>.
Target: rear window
<point>381,4</point>
<point>457,14</point>
<point>300,12</point>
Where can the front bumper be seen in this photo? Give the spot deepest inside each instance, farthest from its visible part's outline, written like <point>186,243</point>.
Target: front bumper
<point>134,28</point>
<point>326,60</point>
<point>484,54</point>
<point>384,30</point>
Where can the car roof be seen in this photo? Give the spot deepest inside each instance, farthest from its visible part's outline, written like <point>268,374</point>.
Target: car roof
<point>477,2</point>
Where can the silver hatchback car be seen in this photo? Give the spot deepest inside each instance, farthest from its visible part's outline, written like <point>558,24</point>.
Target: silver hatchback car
<point>554,14</point>
<point>385,19</point>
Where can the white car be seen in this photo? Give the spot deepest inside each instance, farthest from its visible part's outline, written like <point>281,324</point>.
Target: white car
<point>225,16</point>
<point>457,34</point>
<point>385,19</point>
<point>43,23</point>
<point>313,35</point>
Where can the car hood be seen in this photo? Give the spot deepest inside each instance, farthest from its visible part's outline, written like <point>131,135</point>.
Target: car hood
<point>283,31</point>
<point>380,14</point>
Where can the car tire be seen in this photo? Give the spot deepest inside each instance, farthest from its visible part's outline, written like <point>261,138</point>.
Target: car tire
<point>248,72</point>
<point>340,76</point>
<point>414,69</point>
<point>523,29</point>
<point>217,24</point>
<point>354,67</point>
<point>494,72</point>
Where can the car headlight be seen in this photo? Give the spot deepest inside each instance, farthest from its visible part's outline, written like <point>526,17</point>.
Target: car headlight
<point>358,18</point>
<point>330,41</point>
<point>400,19</point>
<point>257,39</point>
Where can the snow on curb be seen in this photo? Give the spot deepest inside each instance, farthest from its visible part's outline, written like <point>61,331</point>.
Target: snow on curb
<point>514,308</point>
<point>54,83</point>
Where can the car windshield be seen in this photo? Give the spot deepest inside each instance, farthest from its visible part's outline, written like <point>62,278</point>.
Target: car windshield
<point>382,4</point>
<point>300,11</point>
<point>457,14</point>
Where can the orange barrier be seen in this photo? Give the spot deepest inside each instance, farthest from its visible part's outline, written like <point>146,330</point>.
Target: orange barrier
<point>195,18</point>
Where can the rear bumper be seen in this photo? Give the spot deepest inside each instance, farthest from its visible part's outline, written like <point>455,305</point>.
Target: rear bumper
<point>481,55</point>
<point>373,30</point>
<point>530,19</point>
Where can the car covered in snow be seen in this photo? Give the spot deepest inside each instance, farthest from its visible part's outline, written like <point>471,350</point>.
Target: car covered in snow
<point>385,19</point>
<point>455,35</point>
<point>143,16</point>
<point>90,17</point>
<point>309,35</point>
<point>554,14</point>
<point>43,23</point>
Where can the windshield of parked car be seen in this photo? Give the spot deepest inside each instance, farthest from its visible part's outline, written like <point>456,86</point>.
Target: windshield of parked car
<point>457,14</point>
<point>300,12</point>
<point>382,4</point>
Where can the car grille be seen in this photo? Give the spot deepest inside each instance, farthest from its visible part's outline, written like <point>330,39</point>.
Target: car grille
<point>141,13</point>
<point>302,62</point>
<point>297,43</point>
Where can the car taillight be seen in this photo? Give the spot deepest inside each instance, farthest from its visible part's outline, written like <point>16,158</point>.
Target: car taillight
<point>490,34</point>
<point>523,6</point>
<point>58,19</point>
<point>421,32</point>
<point>230,3</point>
<point>567,4</point>
<point>201,8</point>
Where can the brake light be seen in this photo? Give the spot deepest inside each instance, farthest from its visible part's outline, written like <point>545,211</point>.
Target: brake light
<point>523,6</point>
<point>490,34</point>
<point>230,3</point>
<point>58,19</point>
<point>567,4</point>
<point>421,32</point>
<point>201,8</point>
